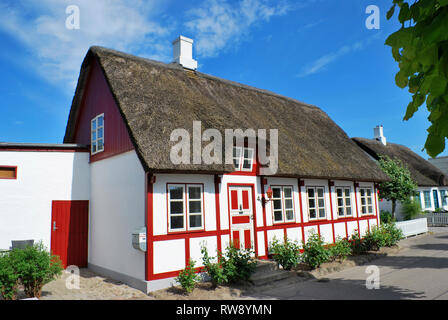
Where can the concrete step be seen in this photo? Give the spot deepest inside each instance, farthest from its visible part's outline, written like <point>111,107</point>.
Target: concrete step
<point>267,272</point>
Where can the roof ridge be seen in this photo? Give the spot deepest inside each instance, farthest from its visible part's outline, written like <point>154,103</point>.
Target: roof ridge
<point>175,66</point>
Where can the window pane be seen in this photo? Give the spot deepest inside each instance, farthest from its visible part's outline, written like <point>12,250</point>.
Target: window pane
<point>321,213</point>
<point>247,164</point>
<point>289,215</point>
<point>311,193</point>
<point>349,211</point>
<point>321,203</point>
<point>341,211</point>
<point>177,222</point>
<point>339,192</point>
<point>363,201</point>
<point>236,163</point>
<point>311,203</point>
<point>312,213</point>
<point>194,207</point>
<point>94,124</point>
<point>340,202</point>
<point>194,192</point>
<point>236,152</point>
<point>288,204</point>
<point>369,192</point>
<point>347,192</point>
<point>278,215</point>
<point>100,145</point>
<point>176,207</point>
<point>362,192</point>
<point>93,135</point>
<point>363,209</point>
<point>288,192</point>
<point>347,202</point>
<point>276,193</point>
<point>248,153</point>
<point>277,204</point>
<point>100,121</point>
<point>320,192</point>
<point>176,192</point>
<point>195,221</point>
<point>93,147</point>
<point>100,132</point>
<point>369,200</point>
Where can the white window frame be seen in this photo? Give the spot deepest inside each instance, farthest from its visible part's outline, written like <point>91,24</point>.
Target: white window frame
<point>241,158</point>
<point>283,204</point>
<point>316,203</point>
<point>344,201</point>
<point>424,199</point>
<point>366,197</point>
<point>186,207</point>
<point>443,200</point>
<point>95,141</point>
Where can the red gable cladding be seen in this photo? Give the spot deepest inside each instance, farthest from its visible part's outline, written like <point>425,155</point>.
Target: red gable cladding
<point>98,99</point>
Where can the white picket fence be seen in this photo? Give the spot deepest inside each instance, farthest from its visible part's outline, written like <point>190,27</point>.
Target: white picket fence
<point>413,227</point>
<point>437,219</point>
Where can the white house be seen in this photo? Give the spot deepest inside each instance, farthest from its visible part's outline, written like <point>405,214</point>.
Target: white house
<point>126,108</point>
<point>432,183</point>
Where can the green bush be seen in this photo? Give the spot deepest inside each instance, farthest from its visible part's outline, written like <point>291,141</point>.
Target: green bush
<point>9,279</point>
<point>341,249</point>
<point>411,209</point>
<point>35,267</point>
<point>358,246</point>
<point>286,254</point>
<point>393,234</point>
<point>213,267</point>
<point>314,251</point>
<point>375,239</point>
<point>234,265</point>
<point>187,277</point>
<point>386,217</point>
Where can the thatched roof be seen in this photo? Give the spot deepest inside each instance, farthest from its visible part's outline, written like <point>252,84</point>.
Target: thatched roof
<point>155,98</point>
<point>422,171</point>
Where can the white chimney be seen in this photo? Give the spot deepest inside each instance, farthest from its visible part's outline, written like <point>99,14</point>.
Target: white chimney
<point>379,135</point>
<point>183,52</point>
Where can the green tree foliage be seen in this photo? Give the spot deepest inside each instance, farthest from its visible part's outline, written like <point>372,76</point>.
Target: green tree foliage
<point>420,47</point>
<point>401,185</point>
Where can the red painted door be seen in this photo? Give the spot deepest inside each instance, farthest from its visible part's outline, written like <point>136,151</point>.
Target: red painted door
<point>241,216</point>
<point>69,231</point>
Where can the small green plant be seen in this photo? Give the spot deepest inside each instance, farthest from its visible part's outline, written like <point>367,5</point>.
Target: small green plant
<point>286,254</point>
<point>358,246</point>
<point>187,277</point>
<point>375,238</point>
<point>9,279</point>
<point>35,267</point>
<point>314,251</point>
<point>341,249</point>
<point>393,234</point>
<point>386,217</point>
<point>213,267</point>
<point>411,209</point>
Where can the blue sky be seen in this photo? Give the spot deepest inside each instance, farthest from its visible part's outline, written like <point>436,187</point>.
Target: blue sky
<point>317,51</point>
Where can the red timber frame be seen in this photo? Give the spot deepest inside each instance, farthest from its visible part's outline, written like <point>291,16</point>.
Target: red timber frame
<point>187,235</point>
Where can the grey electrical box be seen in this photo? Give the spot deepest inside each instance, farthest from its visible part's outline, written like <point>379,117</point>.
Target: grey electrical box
<point>139,239</point>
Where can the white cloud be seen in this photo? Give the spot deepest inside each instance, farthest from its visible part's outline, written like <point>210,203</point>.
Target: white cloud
<point>216,23</point>
<point>57,52</point>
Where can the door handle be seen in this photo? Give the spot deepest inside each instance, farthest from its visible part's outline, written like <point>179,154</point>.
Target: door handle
<point>54,226</point>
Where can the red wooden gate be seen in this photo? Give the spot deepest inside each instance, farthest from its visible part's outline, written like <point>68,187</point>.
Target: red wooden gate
<point>69,231</point>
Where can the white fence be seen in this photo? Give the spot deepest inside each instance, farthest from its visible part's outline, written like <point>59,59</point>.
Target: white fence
<point>437,219</point>
<point>413,227</point>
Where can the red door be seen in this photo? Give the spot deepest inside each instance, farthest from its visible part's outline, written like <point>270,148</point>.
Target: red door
<point>69,231</point>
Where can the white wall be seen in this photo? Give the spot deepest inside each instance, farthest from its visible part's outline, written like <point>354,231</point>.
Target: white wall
<point>25,203</point>
<point>117,208</point>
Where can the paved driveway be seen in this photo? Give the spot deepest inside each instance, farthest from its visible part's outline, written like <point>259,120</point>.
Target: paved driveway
<point>418,271</point>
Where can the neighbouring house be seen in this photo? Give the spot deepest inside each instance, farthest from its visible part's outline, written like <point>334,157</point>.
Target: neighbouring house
<point>432,183</point>
<point>147,216</point>
<point>441,163</point>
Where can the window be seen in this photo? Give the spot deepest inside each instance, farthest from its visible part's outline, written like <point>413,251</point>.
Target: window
<point>443,196</point>
<point>243,158</point>
<point>8,172</point>
<point>366,200</point>
<point>343,201</point>
<point>316,202</point>
<point>97,134</point>
<point>282,204</point>
<point>427,199</point>
<point>185,207</point>
<point>417,197</point>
